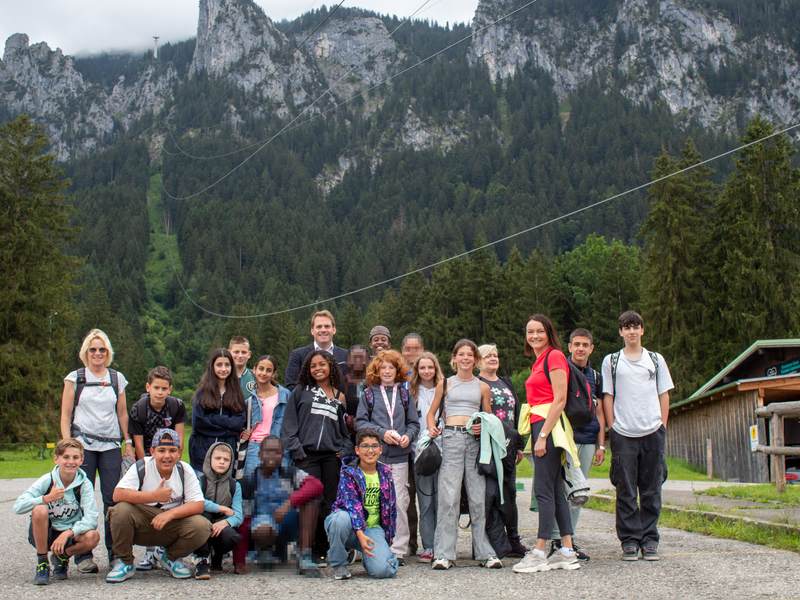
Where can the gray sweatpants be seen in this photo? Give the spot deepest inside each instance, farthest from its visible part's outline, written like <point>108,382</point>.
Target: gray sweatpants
<point>459,458</point>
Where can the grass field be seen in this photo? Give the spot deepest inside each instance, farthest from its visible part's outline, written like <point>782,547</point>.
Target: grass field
<point>758,493</point>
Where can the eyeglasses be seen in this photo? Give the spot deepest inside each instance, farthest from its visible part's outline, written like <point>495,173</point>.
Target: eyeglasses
<point>97,350</point>
<point>366,447</point>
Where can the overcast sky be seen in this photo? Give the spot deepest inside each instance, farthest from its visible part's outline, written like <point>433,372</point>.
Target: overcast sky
<point>82,27</point>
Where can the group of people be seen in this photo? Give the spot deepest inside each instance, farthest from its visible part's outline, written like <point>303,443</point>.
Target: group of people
<point>327,463</point>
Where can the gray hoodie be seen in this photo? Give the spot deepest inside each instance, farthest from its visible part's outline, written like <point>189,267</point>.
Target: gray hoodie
<point>406,421</point>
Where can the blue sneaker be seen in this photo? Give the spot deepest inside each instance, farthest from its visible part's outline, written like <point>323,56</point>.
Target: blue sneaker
<point>176,568</point>
<point>60,566</point>
<point>42,574</point>
<point>121,572</point>
<point>148,563</point>
<point>306,566</point>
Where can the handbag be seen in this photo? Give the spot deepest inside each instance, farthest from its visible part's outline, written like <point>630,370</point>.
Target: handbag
<point>429,457</point>
<point>241,447</point>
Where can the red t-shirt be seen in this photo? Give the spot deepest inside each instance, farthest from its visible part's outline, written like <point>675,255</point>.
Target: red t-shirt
<point>537,387</point>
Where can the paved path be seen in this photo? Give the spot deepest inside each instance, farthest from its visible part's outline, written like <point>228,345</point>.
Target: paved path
<point>692,566</point>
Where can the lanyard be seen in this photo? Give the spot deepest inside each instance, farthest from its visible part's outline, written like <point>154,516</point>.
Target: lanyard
<point>390,408</point>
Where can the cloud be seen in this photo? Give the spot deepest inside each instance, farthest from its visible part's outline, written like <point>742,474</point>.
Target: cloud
<point>82,27</point>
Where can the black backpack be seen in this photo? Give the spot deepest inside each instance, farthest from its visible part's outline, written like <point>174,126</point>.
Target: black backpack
<point>615,361</point>
<point>80,383</point>
<point>371,399</point>
<point>140,471</point>
<point>141,409</point>
<point>580,408</point>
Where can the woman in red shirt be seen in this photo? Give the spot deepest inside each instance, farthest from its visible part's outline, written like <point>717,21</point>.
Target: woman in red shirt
<point>547,398</point>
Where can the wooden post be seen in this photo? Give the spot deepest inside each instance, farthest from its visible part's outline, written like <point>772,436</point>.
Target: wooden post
<point>709,460</point>
<point>778,461</point>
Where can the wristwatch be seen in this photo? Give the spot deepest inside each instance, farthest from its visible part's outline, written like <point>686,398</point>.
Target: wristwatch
<point>542,434</point>
<point>128,441</point>
<point>601,448</point>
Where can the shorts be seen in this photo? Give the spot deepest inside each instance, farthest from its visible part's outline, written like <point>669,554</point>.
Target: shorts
<point>52,535</point>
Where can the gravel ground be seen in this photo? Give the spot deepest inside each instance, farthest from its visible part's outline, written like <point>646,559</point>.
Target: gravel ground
<point>692,565</point>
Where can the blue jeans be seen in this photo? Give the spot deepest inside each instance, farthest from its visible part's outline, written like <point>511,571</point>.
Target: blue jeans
<point>427,495</point>
<point>342,537</point>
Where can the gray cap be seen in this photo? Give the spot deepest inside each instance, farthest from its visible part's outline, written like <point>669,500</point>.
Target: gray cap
<point>379,330</point>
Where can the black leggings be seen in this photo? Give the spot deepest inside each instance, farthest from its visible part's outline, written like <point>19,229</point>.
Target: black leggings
<point>108,465</point>
<point>548,488</point>
<point>325,466</point>
<point>226,541</point>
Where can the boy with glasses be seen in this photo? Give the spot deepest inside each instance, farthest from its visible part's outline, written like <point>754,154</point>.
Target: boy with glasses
<point>365,488</point>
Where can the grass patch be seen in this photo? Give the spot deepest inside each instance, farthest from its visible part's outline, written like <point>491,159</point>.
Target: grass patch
<point>24,464</point>
<point>679,470</point>
<point>732,530</point>
<point>757,493</point>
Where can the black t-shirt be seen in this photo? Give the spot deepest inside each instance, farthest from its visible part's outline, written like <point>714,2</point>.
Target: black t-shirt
<point>503,403</point>
<point>155,420</point>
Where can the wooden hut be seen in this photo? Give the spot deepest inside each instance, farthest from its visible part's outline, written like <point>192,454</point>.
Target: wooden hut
<point>713,424</point>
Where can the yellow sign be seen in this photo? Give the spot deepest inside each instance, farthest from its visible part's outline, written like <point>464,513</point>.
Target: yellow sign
<point>753,438</point>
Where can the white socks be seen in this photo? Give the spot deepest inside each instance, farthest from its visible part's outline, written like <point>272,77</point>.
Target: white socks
<point>540,553</point>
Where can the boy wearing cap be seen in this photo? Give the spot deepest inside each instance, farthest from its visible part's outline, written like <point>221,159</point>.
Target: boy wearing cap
<point>158,503</point>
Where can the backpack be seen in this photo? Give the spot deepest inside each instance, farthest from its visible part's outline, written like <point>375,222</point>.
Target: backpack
<point>615,362</point>
<point>76,491</point>
<point>141,408</point>
<point>80,383</point>
<point>371,399</point>
<point>580,408</point>
<point>231,483</point>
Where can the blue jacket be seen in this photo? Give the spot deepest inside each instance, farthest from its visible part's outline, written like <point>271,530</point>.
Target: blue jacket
<point>65,513</point>
<point>212,427</point>
<point>588,433</point>
<point>277,415</point>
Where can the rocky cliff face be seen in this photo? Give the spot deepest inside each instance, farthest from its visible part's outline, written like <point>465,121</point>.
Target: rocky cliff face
<point>77,116</point>
<point>665,52</point>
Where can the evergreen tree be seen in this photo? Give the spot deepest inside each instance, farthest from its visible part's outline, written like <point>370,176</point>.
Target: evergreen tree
<point>757,237</point>
<point>675,294</point>
<point>38,282</point>
<point>350,331</point>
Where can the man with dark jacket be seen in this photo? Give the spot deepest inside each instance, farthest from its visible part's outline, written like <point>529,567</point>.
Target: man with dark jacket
<point>590,438</point>
<point>323,328</point>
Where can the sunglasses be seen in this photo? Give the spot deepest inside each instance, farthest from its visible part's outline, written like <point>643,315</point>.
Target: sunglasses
<point>97,350</point>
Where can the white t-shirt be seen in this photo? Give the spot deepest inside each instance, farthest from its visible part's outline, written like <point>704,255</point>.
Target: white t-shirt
<point>637,411</point>
<point>193,493</point>
<point>423,401</point>
<point>97,410</point>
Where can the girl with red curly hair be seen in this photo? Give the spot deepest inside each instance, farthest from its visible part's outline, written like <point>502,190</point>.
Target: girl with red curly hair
<point>387,407</point>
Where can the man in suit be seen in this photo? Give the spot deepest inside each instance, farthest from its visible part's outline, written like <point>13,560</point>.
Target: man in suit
<point>323,328</point>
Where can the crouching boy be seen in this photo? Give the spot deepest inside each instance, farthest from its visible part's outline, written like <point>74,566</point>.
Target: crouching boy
<point>365,513</point>
<point>158,503</point>
<point>283,502</point>
<point>223,507</point>
<point>63,512</point>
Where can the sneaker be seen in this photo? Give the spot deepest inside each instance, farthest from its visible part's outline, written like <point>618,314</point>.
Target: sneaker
<point>341,572</point>
<point>493,563</point>
<point>353,556</point>
<point>560,561</point>
<point>121,572</point>
<point>216,569</point>
<point>518,550</point>
<point>320,561</point>
<point>427,556</point>
<point>582,556</point>
<point>202,570</point>
<point>630,553</point>
<point>60,566</point>
<point>87,565</point>
<point>650,552</point>
<point>554,545</point>
<point>401,562</point>
<point>42,574</point>
<point>307,566</point>
<point>176,567</point>
<point>148,563</point>
<point>441,564</point>
<point>531,563</point>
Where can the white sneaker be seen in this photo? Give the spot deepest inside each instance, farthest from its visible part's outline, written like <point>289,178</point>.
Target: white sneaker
<point>493,563</point>
<point>559,561</point>
<point>148,563</point>
<point>531,563</point>
<point>441,564</point>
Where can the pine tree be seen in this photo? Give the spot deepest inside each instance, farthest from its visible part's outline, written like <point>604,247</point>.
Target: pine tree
<point>350,331</point>
<point>38,282</point>
<point>675,294</point>
<point>757,236</point>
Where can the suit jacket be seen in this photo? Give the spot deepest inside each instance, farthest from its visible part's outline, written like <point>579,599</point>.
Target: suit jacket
<point>298,356</point>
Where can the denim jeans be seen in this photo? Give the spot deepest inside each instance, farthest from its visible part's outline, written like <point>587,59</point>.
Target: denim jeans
<point>427,494</point>
<point>342,537</point>
<point>638,465</point>
<point>459,462</point>
<point>585,456</point>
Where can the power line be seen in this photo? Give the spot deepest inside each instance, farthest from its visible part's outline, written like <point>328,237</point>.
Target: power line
<point>487,245</point>
<point>310,106</point>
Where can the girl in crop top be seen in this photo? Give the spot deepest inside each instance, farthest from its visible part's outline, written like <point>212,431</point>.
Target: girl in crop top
<point>465,395</point>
